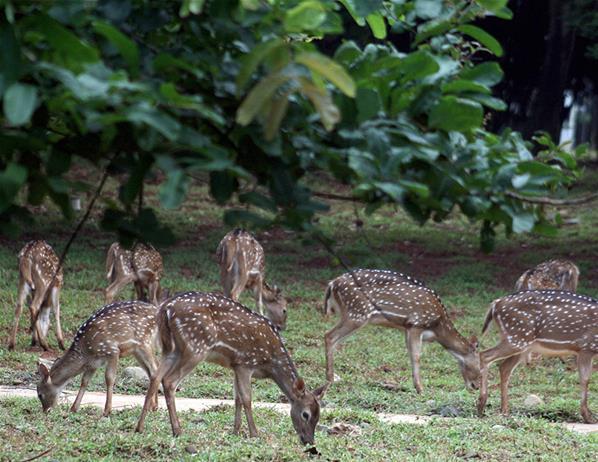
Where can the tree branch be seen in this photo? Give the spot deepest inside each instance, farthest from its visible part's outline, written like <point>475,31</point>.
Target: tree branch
<point>552,201</point>
<point>336,197</point>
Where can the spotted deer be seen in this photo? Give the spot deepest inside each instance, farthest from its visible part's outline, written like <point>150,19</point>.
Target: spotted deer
<point>550,322</point>
<point>141,266</point>
<point>242,266</point>
<point>41,278</point>
<point>391,299</point>
<point>553,274</point>
<point>115,330</point>
<point>197,326</point>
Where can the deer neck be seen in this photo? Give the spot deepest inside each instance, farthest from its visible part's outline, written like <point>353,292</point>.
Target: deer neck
<point>452,340</point>
<point>66,367</point>
<point>284,374</point>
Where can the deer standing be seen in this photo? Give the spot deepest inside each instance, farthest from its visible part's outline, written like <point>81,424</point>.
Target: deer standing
<point>242,266</point>
<point>196,326</point>
<point>550,322</point>
<point>115,330</point>
<point>395,300</point>
<point>552,274</point>
<point>41,278</point>
<point>142,266</point>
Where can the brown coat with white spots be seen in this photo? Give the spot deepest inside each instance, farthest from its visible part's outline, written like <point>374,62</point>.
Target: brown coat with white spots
<point>242,266</point>
<point>143,266</point>
<point>118,329</point>
<point>40,278</point>
<point>550,322</point>
<point>395,300</point>
<point>553,274</point>
<point>197,326</point>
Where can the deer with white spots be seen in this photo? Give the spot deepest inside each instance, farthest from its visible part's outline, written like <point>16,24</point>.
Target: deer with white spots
<point>41,278</point>
<point>550,322</point>
<point>391,299</point>
<point>115,330</point>
<point>141,266</point>
<point>552,274</point>
<point>242,266</point>
<point>197,326</point>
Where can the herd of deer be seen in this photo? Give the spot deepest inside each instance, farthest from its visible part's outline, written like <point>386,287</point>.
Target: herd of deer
<point>544,315</point>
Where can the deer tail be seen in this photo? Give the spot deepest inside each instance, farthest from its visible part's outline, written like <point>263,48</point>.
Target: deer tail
<point>110,260</point>
<point>165,332</point>
<point>327,299</point>
<point>226,253</point>
<point>489,317</point>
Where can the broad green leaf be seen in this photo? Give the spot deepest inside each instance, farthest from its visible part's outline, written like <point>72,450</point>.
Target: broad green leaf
<point>417,65</point>
<point>162,122</point>
<point>193,102</point>
<point>347,52</point>
<point>483,37</point>
<point>368,104</point>
<point>320,98</point>
<point>464,86</point>
<point>191,7</point>
<point>125,46</point>
<point>277,111</point>
<point>19,103</point>
<point>523,222</point>
<point>12,178</point>
<point>489,101</point>
<point>520,181</point>
<point>251,4</point>
<point>306,16</point>
<point>488,73</point>
<point>428,9</point>
<point>259,96</point>
<point>173,191</point>
<point>377,24</point>
<point>251,61</point>
<point>166,61</point>
<point>10,57</point>
<point>452,113</point>
<point>357,17</point>
<point>330,69</point>
<point>493,5</point>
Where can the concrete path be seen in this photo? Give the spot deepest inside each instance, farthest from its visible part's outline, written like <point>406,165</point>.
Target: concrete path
<point>184,404</point>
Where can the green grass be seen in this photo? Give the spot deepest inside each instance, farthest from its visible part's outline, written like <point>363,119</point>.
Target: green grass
<point>445,255</point>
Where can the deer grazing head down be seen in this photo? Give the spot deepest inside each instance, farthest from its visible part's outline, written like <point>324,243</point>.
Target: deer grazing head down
<point>395,300</point>
<point>198,326</point>
<point>242,266</point>
<point>552,274</point>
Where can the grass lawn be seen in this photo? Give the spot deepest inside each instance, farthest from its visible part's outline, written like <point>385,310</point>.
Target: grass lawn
<point>373,363</point>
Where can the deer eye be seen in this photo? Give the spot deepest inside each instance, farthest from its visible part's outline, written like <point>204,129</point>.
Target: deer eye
<point>305,415</point>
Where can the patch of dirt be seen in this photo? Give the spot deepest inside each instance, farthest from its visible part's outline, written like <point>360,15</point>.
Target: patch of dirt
<point>317,262</point>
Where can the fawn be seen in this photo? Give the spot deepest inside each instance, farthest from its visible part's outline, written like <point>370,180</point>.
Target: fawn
<point>553,274</point>
<point>115,330</point>
<point>197,326</point>
<point>41,277</point>
<point>242,266</point>
<point>550,322</point>
<point>395,300</point>
<point>142,266</point>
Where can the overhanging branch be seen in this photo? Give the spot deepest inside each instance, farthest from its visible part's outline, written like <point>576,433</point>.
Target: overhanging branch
<point>552,201</point>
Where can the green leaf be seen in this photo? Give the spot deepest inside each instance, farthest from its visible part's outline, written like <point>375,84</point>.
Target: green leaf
<point>368,104</point>
<point>259,200</point>
<point>428,9</point>
<point>306,16</point>
<point>10,57</point>
<point>259,96</point>
<point>19,103</point>
<point>251,61</point>
<point>483,37</point>
<point>277,111</point>
<point>11,180</point>
<point>162,122</point>
<point>452,113</point>
<point>125,46</point>
<point>493,5</point>
<point>237,217</point>
<point>347,52</point>
<point>418,65</point>
<point>320,98</point>
<point>523,222</point>
<point>377,24</point>
<point>193,102</point>
<point>165,61</point>
<point>173,191</point>
<point>191,7</point>
<point>489,101</point>
<point>463,86</point>
<point>488,73</point>
<point>330,69</point>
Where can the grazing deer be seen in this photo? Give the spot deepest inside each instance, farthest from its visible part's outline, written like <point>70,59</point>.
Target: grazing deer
<point>142,266</point>
<point>553,274</point>
<point>196,326</point>
<point>242,266</point>
<point>551,322</point>
<point>40,277</point>
<point>115,330</point>
<point>395,300</point>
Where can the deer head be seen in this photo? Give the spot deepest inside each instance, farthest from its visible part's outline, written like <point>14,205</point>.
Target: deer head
<point>47,392</point>
<point>469,364</point>
<point>305,411</point>
<point>276,306</point>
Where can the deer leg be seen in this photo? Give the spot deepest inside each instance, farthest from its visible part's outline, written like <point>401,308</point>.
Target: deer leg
<point>147,360</point>
<point>584,364</point>
<point>115,287</point>
<point>238,407</point>
<point>506,368</point>
<point>34,308</point>
<point>43,325</point>
<point>24,291</point>
<point>153,289</point>
<point>167,362</point>
<point>243,386</point>
<point>332,338</point>
<point>503,350</point>
<point>413,339</point>
<point>239,281</point>
<point>226,279</point>
<point>87,375</point>
<point>55,302</point>
<point>110,376</point>
<point>259,293</point>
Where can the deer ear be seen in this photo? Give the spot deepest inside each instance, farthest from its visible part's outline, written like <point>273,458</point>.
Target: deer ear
<point>44,371</point>
<point>319,392</point>
<point>299,387</point>
<point>473,341</point>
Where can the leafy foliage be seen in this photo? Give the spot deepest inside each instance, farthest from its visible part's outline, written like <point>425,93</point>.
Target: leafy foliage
<point>183,87</point>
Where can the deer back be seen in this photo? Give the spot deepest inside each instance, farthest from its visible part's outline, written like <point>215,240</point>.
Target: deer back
<point>119,262</point>
<point>557,319</point>
<point>553,274</point>
<point>242,246</point>
<point>147,260</point>
<point>37,264</point>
